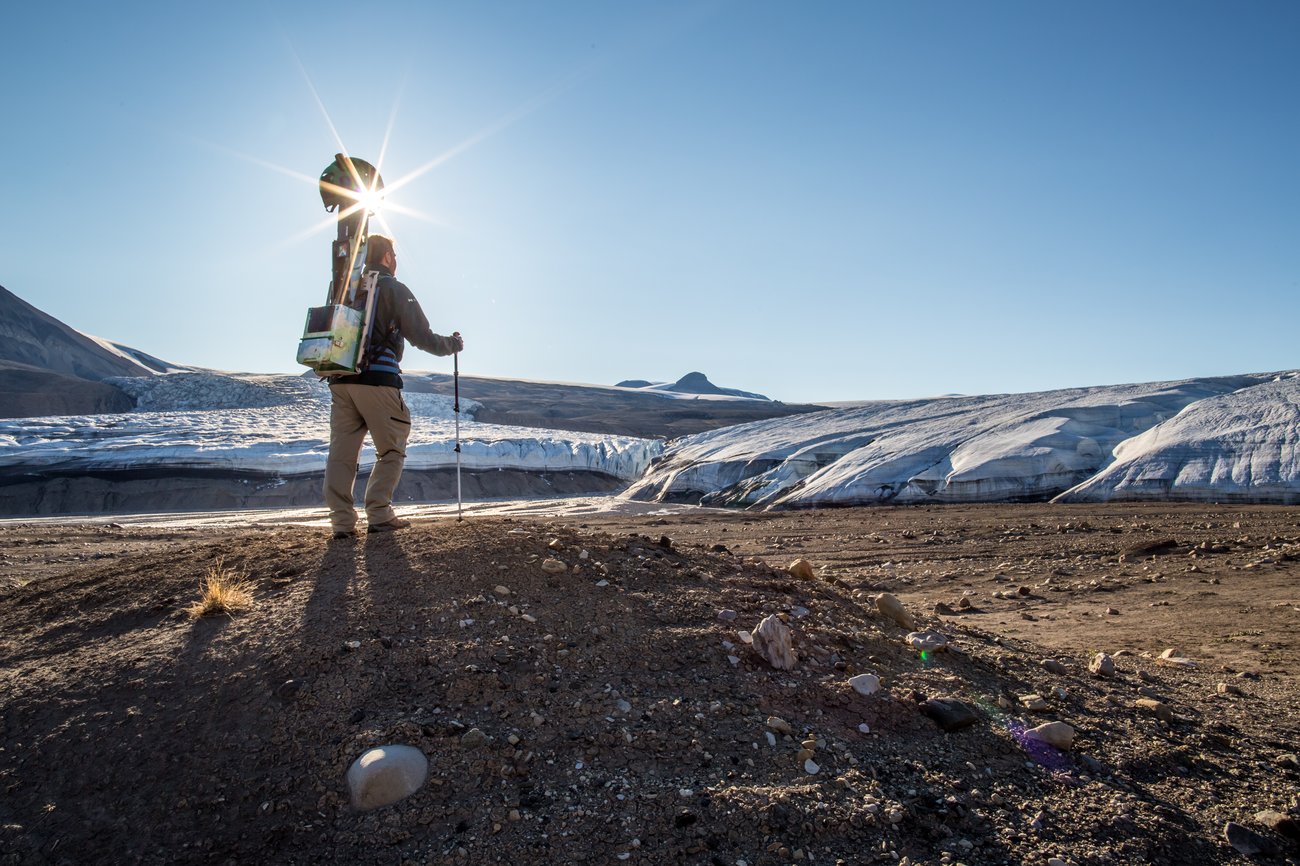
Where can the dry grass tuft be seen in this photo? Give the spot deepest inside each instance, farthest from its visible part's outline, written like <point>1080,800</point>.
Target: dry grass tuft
<point>224,591</point>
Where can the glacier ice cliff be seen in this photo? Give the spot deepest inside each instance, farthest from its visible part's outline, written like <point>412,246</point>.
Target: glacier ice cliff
<point>1199,437</point>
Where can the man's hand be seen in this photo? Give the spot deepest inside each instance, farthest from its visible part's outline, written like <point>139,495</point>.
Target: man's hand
<point>457,341</point>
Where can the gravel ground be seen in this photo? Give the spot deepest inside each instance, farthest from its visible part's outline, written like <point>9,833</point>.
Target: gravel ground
<point>613,712</point>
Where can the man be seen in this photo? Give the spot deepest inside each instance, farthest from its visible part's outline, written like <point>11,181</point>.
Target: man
<point>371,400</point>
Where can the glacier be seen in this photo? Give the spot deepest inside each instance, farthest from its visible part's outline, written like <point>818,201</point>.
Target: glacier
<point>278,426</point>
<point>1210,438</point>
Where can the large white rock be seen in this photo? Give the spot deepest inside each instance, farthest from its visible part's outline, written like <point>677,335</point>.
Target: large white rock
<point>386,774</point>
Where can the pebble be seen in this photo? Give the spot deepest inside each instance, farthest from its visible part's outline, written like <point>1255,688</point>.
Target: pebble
<point>473,739</point>
<point>1157,708</point>
<point>1057,734</point>
<point>384,775</point>
<point>964,604</point>
<point>726,615</point>
<point>1102,665</point>
<point>1228,689</point>
<point>1247,842</point>
<point>502,590</point>
<point>942,609</point>
<point>1279,822</point>
<point>802,569</point>
<point>780,725</point>
<point>553,566</point>
<point>950,714</point>
<point>810,767</point>
<point>927,641</point>
<point>865,684</point>
<point>1054,666</point>
<point>1033,702</point>
<point>891,607</point>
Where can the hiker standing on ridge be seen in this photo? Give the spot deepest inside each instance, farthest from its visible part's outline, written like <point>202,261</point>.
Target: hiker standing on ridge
<point>372,400</point>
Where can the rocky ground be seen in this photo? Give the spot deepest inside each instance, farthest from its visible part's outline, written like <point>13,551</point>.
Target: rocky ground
<point>613,712</point>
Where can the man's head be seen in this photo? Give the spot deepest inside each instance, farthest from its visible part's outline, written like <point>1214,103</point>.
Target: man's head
<point>379,252</point>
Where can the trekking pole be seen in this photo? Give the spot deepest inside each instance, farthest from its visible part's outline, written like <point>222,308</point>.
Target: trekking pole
<point>455,366</point>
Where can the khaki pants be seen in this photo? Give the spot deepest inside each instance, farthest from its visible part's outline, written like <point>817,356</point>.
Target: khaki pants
<point>355,409</point>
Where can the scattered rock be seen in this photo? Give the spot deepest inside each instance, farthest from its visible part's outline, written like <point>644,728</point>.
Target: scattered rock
<point>891,607</point>
<point>288,690</point>
<point>1228,689</point>
<point>473,739</point>
<point>1159,709</point>
<point>1057,734</point>
<point>810,767</point>
<point>779,725</point>
<point>1102,665</point>
<point>927,641</point>
<point>965,603</point>
<point>941,609</point>
<point>950,714</point>
<point>553,566</point>
<point>1033,702</point>
<point>1247,842</point>
<point>802,569</point>
<point>1279,822</point>
<point>1054,666</point>
<point>726,615</point>
<point>385,775</point>
<point>773,641</point>
<point>865,684</point>
<point>1172,658</point>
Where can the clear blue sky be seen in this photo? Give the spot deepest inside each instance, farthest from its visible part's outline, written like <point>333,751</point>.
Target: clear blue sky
<point>816,201</point>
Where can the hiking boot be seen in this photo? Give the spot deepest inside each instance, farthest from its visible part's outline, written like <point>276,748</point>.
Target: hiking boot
<point>394,524</point>
<point>341,534</point>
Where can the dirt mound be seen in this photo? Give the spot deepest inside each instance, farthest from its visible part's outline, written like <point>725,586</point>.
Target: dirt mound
<point>607,713</point>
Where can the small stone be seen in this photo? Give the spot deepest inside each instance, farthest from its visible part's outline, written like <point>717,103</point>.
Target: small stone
<point>927,641</point>
<point>726,615</point>
<point>811,767</point>
<point>1228,689</point>
<point>1279,822</point>
<point>289,689</point>
<point>1033,702</point>
<point>1157,708</point>
<point>1054,666</point>
<point>865,684</point>
<point>864,728</point>
<point>1172,658</point>
<point>778,724</point>
<point>1247,842</point>
<point>502,590</point>
<point>964,604</point>
<point>891,607</point>
<point>802,569</point>
<point>949,714</point>
<point>385,775</point>
<point>942,609</point>
<point>1057,734</point>
<point>1023,590</point>
<point>1102,665</point>
<point>553,566</point>
<point>1110,611</point>
<point>473,739</point>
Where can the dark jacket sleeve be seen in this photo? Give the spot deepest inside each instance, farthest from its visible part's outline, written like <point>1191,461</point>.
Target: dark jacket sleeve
<point>414,325</point>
